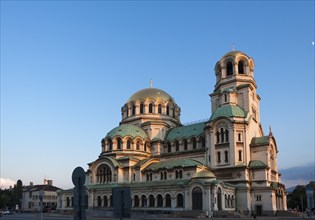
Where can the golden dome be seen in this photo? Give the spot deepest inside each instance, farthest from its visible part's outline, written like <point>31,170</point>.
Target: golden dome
<point>151,93</point>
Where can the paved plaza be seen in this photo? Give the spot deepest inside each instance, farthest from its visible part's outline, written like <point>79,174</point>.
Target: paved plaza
<point>37,216</point>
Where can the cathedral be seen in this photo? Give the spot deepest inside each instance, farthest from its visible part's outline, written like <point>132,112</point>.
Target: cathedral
<point>226,164</point>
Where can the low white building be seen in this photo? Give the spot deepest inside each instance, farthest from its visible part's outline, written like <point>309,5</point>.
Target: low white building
<point>31,197</point>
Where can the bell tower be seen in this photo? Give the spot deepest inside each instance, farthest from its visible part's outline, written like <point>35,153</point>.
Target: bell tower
<point>235,116</point>
<point>235,83</point>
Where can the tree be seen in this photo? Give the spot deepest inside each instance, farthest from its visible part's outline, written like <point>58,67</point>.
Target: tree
<point>4,198</point>
<point>297,199</point>
<point>17,194</point>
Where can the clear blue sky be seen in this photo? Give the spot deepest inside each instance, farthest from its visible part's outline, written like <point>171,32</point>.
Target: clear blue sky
<point>67,67</point>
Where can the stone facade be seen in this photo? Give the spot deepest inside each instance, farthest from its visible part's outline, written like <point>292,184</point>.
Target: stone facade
<point>224,164</point>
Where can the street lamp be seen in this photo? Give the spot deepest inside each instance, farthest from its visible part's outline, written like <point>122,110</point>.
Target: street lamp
<point>41,197</point>
<point>309,197</point>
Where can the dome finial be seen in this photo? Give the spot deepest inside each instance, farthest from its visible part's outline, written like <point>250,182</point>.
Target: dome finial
<point>233,49</point>
<point>150,83</point>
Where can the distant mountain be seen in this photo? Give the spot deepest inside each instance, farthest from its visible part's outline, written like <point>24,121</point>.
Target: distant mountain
<point>290,189</point>
<point>300,175</point>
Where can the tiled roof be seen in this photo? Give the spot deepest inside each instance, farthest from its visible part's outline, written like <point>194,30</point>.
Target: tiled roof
<point>173,163</point>
<point>242,86</point>
<point>185,131</point>
<point>41,187</point>
<point>127,158</point>
<point>141,162</point>
<point>257,164</point>
<point>228,111</point>
<point>258,141</point>
<point>146,184</point>
<point>127,130</point>
<point>230,89</point>
<point>276,185</point>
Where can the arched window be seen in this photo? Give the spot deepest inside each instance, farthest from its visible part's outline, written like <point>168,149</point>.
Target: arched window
<point>229,201</point>
<point>133,109</point>
<point>239,137</point>
<point>138,145</point>
<point>168,200</point>
<point>180,174</point>
<point>161,178</point>
<point>197,198</point>
<point>218,137</point>
<point>159,201</point>
<point>145,146</point>
<point>118,143</point>
<point>169,147</point>
<point>226,158</point>
<point>68,202</point>
<point>177,145</point>
<point>219,198</point>
<point>151,201</point>
<point>219,157</point>
<point>225,98</point>
<point>136,201</point>
<point>150,108</point>
<point>241,67</point>
<point>239,155</point>
<point>194,143</point>
<point>141,108</point>
<point>180,200</point>
<point>144,201</point>
<point>104,174</point>
<point>99,201</point>
<point>165,175</point>
<point>110,144</point>
<point>127,111</point>
<point>167,110</point>
<point>160,109</point>
<point>203,142</point>
<point>222,135</point>
<point>185,144</point>
<point>105,201</point>
<point>229,69</point>
<point>128,144</point>
<point>232,201</point>
<point>226,201</point>
<point>226,135</point>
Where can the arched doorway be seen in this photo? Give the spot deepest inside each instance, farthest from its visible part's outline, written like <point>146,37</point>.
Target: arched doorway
<point>197,198</point>
<point>219,198</point>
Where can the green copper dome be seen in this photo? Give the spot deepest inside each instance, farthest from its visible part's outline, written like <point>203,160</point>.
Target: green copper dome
<point>152,93</point>
<point>228,111</point>
<point>127,130</point>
